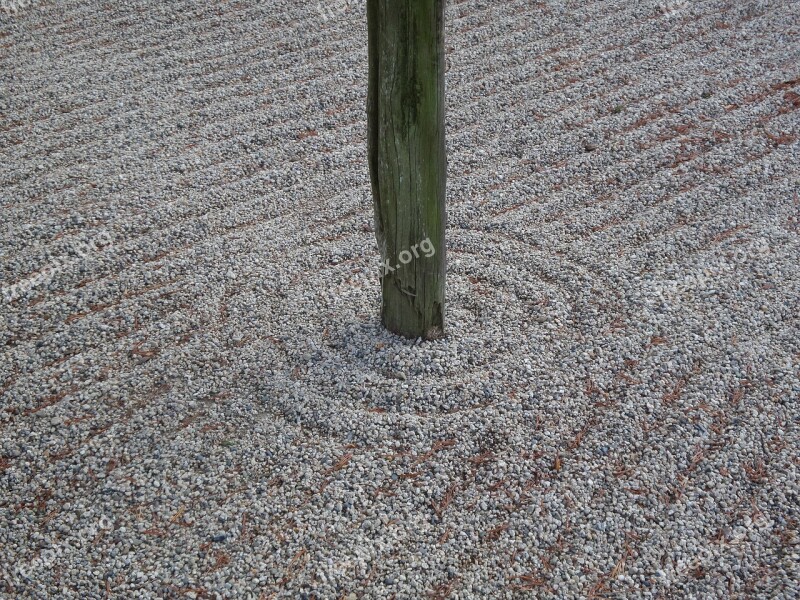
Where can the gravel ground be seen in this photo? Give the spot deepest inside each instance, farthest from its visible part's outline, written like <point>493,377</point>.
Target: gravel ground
<point>198,399</point>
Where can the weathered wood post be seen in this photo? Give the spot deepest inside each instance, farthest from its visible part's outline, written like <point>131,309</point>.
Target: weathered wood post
<point>407,160</point>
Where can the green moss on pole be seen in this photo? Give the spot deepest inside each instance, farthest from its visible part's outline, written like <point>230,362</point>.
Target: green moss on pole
<point>407,160</point>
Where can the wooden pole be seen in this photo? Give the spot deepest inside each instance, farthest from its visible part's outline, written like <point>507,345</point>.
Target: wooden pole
<point>407,160</point>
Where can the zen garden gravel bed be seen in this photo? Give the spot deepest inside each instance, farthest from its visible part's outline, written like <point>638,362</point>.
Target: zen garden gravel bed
<point>197,399</point>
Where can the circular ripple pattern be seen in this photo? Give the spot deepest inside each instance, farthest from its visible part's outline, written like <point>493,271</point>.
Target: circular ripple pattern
<point>198,400</point>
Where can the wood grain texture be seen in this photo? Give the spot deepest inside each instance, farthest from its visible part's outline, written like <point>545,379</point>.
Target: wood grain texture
<point>407,160</point>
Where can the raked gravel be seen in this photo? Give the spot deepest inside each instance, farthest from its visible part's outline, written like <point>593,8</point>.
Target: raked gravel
<point>198,400</point>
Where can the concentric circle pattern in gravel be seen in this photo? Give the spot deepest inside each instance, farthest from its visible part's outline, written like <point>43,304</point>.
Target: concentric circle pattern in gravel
<point>198,399</point>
